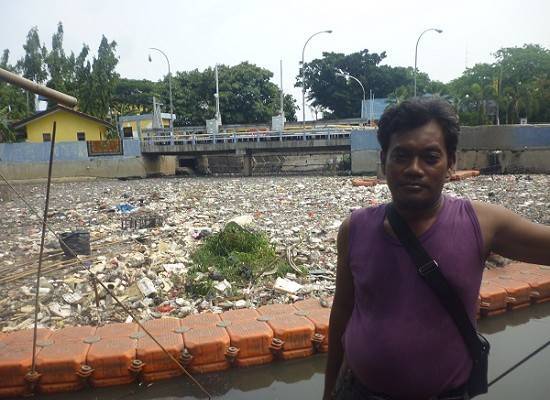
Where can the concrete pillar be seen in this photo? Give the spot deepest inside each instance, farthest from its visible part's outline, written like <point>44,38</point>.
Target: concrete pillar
<point>247,164</point>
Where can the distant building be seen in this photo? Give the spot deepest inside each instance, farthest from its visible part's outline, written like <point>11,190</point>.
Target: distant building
<point>71,126</point>
<point>378,107</point>
<point>131,126</point>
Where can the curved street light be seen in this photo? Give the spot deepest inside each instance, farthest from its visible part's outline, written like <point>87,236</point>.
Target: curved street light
<point>169,87</point>
<point>416,53</point>
<point>303,83</point>
<point>347,76</point>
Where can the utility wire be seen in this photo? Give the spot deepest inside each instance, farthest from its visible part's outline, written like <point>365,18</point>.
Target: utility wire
<point>93,276</point>
<point>38,272</point>
<point>513,367</point>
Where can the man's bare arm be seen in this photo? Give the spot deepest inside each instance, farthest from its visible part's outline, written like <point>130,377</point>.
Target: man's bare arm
<point>512,236</point>
<point>342,308</point>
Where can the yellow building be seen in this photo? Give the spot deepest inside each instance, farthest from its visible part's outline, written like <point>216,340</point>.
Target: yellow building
<point>71,126</point>
<point>131,126</point>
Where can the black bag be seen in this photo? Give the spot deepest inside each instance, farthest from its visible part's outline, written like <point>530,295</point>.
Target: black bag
<point>428,269</point>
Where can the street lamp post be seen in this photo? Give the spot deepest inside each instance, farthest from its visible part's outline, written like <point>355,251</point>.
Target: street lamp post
<point>303,82</point>
<point>347,76</point>
<point>416,53</point>
<point>169,88</point>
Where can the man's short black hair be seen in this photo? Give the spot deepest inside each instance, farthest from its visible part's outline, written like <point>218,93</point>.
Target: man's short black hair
<point>414,113</point>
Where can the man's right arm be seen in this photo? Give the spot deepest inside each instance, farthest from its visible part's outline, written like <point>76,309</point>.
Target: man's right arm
<point>342,308</point>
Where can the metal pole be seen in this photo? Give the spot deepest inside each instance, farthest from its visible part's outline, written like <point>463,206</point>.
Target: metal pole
<point>416,53</point>
<point>169,89</point>
<point>38,272</point>
<point>303,79</point>
<point>34,87</point>
<point>218,115</point>
<point>282,93</point>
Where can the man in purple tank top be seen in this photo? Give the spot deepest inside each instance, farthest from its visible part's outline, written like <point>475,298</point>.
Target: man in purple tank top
<point>390,337</point>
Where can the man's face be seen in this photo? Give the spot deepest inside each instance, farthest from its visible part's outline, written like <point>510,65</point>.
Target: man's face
<point>416,166</point>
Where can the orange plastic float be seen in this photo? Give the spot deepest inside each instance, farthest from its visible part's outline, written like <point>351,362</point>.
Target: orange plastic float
<point>62,361</point>
<point>464,174</point>
<point>320,316</point>
<point>293,334</point>
<point>206,343</point>
<point>16,361</point>
<point>493,298</point>
<point>156,364</point>
<point>112,355</point>
<point>73,357</point>
<point>250,338</point>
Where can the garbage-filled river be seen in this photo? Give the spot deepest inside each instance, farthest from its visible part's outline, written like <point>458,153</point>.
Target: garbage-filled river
<point>142,236</point>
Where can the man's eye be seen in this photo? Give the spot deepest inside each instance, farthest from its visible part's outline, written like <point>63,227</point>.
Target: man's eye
<point>399,156</point>
<point>432,158</point>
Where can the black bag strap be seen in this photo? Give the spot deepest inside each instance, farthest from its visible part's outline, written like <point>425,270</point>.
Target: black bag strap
<point>429,270</point>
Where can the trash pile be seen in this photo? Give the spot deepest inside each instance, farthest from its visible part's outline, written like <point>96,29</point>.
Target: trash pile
<point>192,245</point>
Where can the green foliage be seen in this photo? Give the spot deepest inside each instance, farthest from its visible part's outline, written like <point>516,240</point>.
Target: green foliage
<point>6,133</point>
<point>12,99</point>
<point>104,79</point>
<point>236,254</point>
<point>246,95</point>
<point>133,96</point>
<point>518,83</point>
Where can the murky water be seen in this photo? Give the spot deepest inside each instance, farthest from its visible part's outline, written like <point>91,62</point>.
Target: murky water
<point>512,336</point>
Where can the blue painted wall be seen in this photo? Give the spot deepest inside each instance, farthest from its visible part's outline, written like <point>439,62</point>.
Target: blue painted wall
<point>504,137</point>
<point>64,151</point>
<point>364,140</point>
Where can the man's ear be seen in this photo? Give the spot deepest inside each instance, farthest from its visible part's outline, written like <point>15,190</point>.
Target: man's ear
<point>383,162</point>
<point>451,165</point>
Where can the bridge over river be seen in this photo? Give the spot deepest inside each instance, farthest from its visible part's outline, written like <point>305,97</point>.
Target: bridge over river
<point>308,140</point>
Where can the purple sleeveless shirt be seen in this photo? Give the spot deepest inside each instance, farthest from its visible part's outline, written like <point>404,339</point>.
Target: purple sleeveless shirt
<point>400,340</point>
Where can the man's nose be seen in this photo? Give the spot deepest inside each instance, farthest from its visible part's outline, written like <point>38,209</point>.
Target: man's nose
<point>414,167</point>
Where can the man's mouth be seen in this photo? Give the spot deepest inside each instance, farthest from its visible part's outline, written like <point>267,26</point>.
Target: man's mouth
<point>413,186</point>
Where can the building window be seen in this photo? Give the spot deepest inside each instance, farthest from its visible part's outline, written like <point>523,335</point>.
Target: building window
<point>127,131</point>
<point>81,136</point>
<point>47,137</point>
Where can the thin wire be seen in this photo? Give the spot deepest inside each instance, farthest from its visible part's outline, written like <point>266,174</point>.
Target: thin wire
<point>513,367</point>
<point>93,275</point>
<point>38,272</point>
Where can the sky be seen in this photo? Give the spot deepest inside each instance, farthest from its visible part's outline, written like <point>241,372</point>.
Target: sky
<point>198,34</point>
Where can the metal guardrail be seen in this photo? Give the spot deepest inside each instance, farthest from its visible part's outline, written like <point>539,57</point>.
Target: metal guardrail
<point>159,137</point>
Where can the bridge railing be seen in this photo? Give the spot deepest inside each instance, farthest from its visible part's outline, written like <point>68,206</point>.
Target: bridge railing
<point>162,137</point>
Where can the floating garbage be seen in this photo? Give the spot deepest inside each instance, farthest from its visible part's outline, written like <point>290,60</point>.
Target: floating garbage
<point>77,241</point>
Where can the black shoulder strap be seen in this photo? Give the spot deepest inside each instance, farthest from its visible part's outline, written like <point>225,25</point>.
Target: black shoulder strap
<point>429,270</point>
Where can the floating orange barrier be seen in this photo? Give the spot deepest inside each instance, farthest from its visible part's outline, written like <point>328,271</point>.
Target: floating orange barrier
<point>250,338</point>
<point>112,355</point>
<point>156,363</point>
<point>493,298</point>
<point>292,334</point>
<point>206,343</point>
<point>62,359</point>
<point>121,353</point>
<point>320,316</point>
<point>364,182</point>
<point>16,361</point>
<point>460,175</point>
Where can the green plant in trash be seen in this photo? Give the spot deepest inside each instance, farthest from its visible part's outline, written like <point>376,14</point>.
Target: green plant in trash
<point>236,254</point>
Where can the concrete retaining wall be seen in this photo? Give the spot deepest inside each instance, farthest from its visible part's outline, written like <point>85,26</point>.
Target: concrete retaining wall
<point>274,163</point>
<point>22,161</point>
<point>491,149</point>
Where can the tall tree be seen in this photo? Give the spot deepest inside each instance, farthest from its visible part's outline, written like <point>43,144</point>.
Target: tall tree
<point>12,101</point>
<point>58,64</point>
<point>104,78</point>
<point>32,64</point>
<point>246,95</point>
<point>134,96</point>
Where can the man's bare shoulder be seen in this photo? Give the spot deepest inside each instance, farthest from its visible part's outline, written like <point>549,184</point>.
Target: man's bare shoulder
<point>511,235</point>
